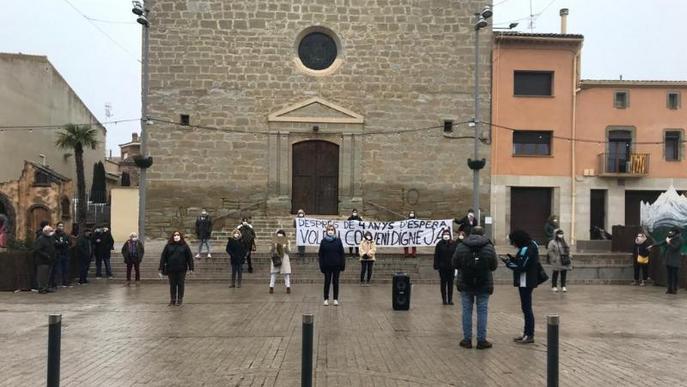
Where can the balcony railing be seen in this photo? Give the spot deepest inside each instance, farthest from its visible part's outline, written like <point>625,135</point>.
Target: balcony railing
<point>624,164</point>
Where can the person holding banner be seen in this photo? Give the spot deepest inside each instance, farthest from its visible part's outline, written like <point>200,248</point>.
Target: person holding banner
<point>368,249</point>
<point>410,251</point>
<point>354,217</point>
<point>332,262</point>
<point>301,249</point>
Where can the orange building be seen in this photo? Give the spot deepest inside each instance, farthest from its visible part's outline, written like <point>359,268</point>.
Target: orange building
<point>586,150</point>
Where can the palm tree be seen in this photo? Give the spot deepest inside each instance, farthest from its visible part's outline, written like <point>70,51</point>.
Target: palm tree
<point>76,137</point>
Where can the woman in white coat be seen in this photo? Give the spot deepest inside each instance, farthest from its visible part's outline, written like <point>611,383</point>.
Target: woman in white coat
<point>281,247</point>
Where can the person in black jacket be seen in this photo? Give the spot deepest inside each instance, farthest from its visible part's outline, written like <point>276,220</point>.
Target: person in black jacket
<point>672,258</point>
<point>443,255</point>
<point>44,257</point>
<point>467,222</point>
<point>133,252</point>
<point>332,263</point>
<point>60,272</point>
<point>354,217</point>
<point>525,265</point>
<point>204,232</point>
<point>84,255</point>
<point>237,255</point>
<point>103,245</point>
<point>176,259</point>
<point>248,240</point>
<point>641,248</point>
<point>475,260</point>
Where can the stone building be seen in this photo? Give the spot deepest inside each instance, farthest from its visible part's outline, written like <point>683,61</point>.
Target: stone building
<point>325,105</point>
<point>39,194</point>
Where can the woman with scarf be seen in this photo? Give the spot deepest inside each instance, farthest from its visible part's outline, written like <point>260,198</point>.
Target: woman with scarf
<point>281,247</point>
<point>640,258</point>
<point>332,262</point>
<point>133,251</point>
<point>175,260</point>
<point>368,250</point>
<point>558,256</point>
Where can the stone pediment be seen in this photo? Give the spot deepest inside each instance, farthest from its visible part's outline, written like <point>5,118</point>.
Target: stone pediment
<point>314,110</point>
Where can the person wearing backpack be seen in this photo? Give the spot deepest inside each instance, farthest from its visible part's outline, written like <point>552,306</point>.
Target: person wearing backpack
<point>475,260</point>
<point>443,255</point>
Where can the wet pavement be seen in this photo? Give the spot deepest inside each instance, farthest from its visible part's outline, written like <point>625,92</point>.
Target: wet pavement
<point>118,336</point>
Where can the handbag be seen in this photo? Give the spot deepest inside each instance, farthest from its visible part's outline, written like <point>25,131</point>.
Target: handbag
<point>365,257</point>
<point>276,260</point>
<point>642,260</point>
<point>565,260</point>
<point>542,276</point>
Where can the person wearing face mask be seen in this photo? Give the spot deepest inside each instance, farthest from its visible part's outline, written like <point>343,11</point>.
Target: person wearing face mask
<point>640,258</point>
<point>44,256</point>
<point>175,261</point>
<point>368,250</point>
<point>103,247</point>
<point>60,272</point>
<point>300,215</point>
<point>133,251</point>
<point>672,257</point>
<point>443,254</point>
<point>467,222</point>
<point>552,224</point>
<point>558,256</point>
<point>475,260</point>
<point>354,217</point>
<point>332,259</point>
<point>204,232</point>
<point>410,251</point>
<point>84,255</point>
<point>248,239</point>
<point>281,247</point>
<point>237,255</point>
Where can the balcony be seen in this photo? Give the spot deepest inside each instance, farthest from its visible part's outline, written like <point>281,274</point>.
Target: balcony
<point>623,164</point>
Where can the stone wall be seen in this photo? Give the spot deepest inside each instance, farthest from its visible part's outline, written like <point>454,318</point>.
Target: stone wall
<point>230,64</point>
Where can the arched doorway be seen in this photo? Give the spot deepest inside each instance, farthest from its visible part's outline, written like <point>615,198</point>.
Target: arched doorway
<point>7,221</point>
<point>315,177</point>
<point>37,214</point>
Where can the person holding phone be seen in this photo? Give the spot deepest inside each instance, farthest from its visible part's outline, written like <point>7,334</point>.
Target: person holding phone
<point>526,267</point>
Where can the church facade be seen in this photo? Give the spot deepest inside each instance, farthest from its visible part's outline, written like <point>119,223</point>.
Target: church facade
<point>325,105</point>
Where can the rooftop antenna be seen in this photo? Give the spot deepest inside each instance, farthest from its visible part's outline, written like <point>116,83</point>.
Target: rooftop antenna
<point>531,18</point>
<point>108,110</point>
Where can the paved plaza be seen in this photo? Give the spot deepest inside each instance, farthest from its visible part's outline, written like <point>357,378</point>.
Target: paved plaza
<point>117,336</point>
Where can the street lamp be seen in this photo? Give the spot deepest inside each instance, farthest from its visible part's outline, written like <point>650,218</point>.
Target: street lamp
<point>144,161</point>
<point>476,164</point>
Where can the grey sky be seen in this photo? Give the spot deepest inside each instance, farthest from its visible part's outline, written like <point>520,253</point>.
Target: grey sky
<point>636,38</point>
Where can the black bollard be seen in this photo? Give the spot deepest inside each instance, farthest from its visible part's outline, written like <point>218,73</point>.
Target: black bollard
<point>306,367</point>
<point>54,338</point>
<point>552,322</point>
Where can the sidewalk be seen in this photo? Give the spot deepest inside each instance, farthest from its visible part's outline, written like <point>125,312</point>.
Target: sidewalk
<point>116,336</point>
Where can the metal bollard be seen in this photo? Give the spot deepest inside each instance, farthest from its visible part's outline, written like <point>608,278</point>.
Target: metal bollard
<point>306,367</point>
<point>552,323</point>
<point>54,339</point>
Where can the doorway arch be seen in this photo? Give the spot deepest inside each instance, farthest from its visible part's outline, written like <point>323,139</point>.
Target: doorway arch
<point>9,217</point>
<point>315,177</point>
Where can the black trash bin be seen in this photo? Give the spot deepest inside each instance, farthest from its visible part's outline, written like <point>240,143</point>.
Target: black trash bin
<point>400,292</point>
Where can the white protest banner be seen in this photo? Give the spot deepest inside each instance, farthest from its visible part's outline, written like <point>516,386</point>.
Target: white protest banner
<point>411,232</point>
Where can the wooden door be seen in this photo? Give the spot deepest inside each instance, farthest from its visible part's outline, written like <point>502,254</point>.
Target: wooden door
<point>529,210</point>
<point>315,184</point>
<point>597,209</point>
<point>619,150</point>
<point>37,215</point>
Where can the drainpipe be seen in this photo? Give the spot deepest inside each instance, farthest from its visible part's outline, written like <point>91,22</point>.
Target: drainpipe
<point>573,190</point>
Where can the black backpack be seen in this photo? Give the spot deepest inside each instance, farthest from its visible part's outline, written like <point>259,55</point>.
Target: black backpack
<point>475,269</point>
